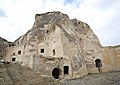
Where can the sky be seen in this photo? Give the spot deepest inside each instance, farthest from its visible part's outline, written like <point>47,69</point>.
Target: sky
<point>103,16</point>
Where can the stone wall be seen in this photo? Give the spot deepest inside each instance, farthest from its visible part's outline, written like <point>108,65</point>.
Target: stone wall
<point>111,56</point>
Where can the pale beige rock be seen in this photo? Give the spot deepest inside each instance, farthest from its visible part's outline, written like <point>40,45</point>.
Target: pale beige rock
<point>61,48</point>
<point>111,56</point>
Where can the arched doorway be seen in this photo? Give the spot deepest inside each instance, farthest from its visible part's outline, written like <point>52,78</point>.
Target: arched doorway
<point>98,65</point>
<point>56,72</point>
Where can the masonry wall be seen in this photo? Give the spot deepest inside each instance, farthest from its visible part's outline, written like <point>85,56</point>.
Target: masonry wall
<point>111,58</point>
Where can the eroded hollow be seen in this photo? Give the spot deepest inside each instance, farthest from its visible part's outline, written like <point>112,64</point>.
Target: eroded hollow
<point>56,73</point>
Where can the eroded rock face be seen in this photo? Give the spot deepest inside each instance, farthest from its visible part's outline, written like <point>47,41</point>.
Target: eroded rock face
<point>91,48</point>
<point>4,77</point>
<point>15,74</point>
<point>3,45</point>
<point>56,43</point>
<point>55,48</point>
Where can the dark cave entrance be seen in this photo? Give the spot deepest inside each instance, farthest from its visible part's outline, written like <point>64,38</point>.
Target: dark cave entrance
<point>56,73</point>
<point>98,65</point>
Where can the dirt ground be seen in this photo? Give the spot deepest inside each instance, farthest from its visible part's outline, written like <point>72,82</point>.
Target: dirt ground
<point>18,75</point>
<point>109,78</point>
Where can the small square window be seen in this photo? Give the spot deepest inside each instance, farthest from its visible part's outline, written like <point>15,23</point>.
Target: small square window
<point>13,59</point>
<point>9,45</point>
<point>42,50</point>
<point>19,52</point>
<point>13,44</point>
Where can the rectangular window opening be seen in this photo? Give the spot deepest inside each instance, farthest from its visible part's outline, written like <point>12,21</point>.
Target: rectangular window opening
<point>13,59</point>
<point>9,45</point>
<point>19,52</point>
<point>53,52</point>
<point>13,44</point>
<point>42,50</point>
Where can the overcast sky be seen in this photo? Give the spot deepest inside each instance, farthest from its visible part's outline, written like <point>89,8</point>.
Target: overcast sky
<point>103,16</point>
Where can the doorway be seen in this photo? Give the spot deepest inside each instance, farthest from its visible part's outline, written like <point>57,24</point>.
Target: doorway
<point>98,65</point>
<point>66,69</point>
<point>56,73</point>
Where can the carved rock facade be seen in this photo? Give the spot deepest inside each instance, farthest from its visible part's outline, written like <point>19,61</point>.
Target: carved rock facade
<point>59,47</point>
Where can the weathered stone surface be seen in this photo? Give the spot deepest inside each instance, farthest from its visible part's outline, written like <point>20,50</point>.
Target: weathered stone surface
<point>3,45</point>
<point>15,74</point>
<point>60,48</point>
<point>55,41</point>
<point>55,34</point>
<point>4,77</point>
<point>109,78</point>
<point>111,56</point>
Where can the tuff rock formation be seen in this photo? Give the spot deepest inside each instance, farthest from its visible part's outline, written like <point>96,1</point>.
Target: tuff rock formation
<point>3,45</point>
<point>56,44</point>
<point>59,48</point>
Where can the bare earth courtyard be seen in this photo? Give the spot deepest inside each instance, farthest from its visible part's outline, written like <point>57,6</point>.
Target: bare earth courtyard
<point>109,78</point>
<point>14,74</point>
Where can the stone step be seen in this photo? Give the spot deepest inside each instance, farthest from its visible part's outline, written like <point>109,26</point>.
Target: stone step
<point>1,78</point>
<point>1,75</point>
<point>1,71</point>
<point>2,66</point>
<point>2,83</point>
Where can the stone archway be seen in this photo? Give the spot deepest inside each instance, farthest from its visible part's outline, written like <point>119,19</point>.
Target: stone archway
<point>56,73</point>
<point>98,65</point>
